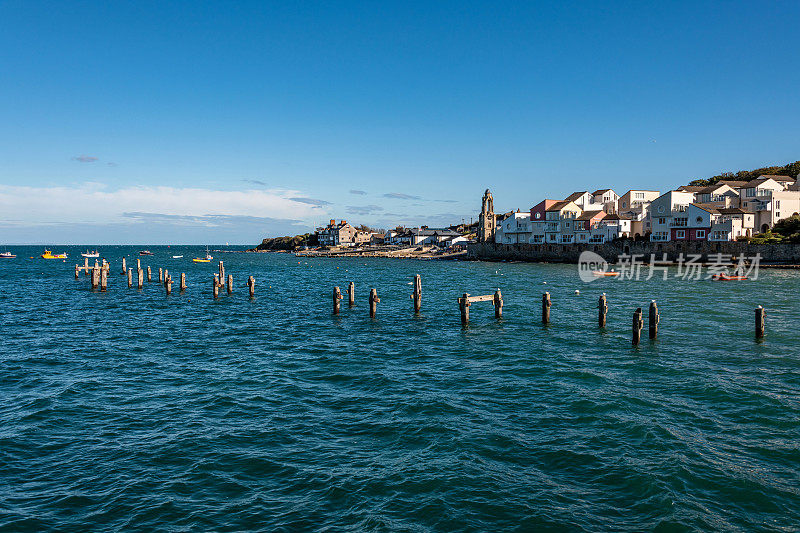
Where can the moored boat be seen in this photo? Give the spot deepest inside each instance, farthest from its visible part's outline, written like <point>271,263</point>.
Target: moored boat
<point>603,273</point>
<point>50,255</point>
<point>145,252</point>
<point>206,259</point>
<point>177,256</point>
<point>726,277</point>
<point>7,255</point>
<point>91,254</point>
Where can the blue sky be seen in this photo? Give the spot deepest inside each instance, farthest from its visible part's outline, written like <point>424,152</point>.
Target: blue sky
<point>231,121</point>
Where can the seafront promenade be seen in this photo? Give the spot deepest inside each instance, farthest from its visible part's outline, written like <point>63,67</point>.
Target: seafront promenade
<point>770,254</point>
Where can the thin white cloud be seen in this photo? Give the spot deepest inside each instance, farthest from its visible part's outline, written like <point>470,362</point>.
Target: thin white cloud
<point>84,159</point>
<point>32,206</point>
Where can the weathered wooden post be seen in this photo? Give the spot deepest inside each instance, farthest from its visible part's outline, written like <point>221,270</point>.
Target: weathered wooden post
<point>463,304</point>
<point>498,304</point>
<point>602,310</point>
<point>103,279</point>
<point>251,284</point>
<point>77,269</point>
<point>124,267</point>
<point>654,319</point>
<point>166,275</point>
<point>95,276</point>
<point>221,272</point>
<point>149,274</point>
<point>139,278</point>
<point>351,294</point>
<point>546,308</point>
<point>130,278</point>
<point>337,298</point>
<point>183,281</point>
<point>168,285</point>
<point>85,266</point>
<point>160,275</point>
<point>417,296</point>
<point>373,302</point>
<point>761,317</point>
<point>230,283</point>
<point>216,286</point>
<point>638,323</point>
<point>138,264</point>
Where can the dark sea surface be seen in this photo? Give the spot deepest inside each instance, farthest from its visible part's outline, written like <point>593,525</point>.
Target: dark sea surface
<point>133,411</point>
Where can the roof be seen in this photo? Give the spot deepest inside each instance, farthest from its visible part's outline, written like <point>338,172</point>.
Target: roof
<point>558,206</point>
<point>691,188</point>
<point>733,183</point>
<point>712,188</point>
<point>707,207</point>
<point>756,182</point>
<point>589,215</point>
<point>600,191</point>
<point>444,232</point>
<point>574,196</point>
<point>778,178</point>
<point>614,216</point>
<point>732,211</point>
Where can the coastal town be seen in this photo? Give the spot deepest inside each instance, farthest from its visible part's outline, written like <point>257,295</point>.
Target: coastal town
<point>725,211</point>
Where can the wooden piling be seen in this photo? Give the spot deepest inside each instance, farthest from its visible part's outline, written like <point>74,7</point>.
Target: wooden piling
<point>546,303</point>
<point>77,270</point>
<point>166,275</point>
<point>103,279</point>
<point>463,304</point>
<point>251,285</point>
<point>761,317</point>
<point>498,304</point>
<point>149,274</point>
<point>602,310</point>
<point>85,266</point>
<point>168,285</point>
<point>351,294</point>
<point>337,298</point>
<point>160,275</point>
<point>653,319</point>
<point>183,281</point>
<point>130,278</point>
<point>139,278</point>
<point>221,272</point>
<point>95,276</point>
<point>124,267</point>
<point>638,323</point>
<point>138,264</point>
<point>417,296</point>
<point>216,286</point>
<point>230,283</point>
<point>373,302</point>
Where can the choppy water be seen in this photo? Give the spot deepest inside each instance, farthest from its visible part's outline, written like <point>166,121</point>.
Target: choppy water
<point>134,411</point>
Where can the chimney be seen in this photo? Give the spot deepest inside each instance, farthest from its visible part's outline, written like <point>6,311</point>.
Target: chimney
<point>333,222</point>
<point>344,222</point>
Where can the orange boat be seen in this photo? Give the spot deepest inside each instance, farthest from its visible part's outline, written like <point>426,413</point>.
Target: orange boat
<point>725,277</point>
<point>603,273</point>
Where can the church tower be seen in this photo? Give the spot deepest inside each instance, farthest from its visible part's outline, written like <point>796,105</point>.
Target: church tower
<point>486,220</point>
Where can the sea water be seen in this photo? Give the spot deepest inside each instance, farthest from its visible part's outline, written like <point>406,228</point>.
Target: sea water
<point>132,410</point>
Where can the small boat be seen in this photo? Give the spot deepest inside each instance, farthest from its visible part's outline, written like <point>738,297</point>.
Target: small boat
<point>603,273</point>
<point>50,255</point>
<point>7,255</point>
<point>146,252</point>
<point>91,254</point>
<point>726,277</point>
<point>177,256</point>
<point>207,258</point>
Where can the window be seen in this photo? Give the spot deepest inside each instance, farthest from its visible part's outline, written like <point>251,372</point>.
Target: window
<point>777,204</point>
<point>566,224</point>
<point>638,195</point>
<point>751,191</point>
<point>680,234</point>
<point>623,204</point>
<point>700,234</point>
<point>680,222</point>
<point>661,209</point>
<point>538,215</point>
<point>699,220</point>
<point>662,220</point>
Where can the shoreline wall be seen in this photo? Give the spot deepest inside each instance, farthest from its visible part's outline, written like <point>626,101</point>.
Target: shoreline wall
<point>569,253</point>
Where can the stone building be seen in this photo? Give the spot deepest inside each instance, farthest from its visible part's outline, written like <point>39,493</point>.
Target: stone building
<point>486,220</point>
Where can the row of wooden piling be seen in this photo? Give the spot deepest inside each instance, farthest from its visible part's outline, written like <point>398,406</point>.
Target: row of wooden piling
<point>99,273</point>
<point>465,302</point>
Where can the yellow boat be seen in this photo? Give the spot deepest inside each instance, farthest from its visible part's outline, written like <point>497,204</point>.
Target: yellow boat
<point>206,259</point>
<point>50,255</point>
